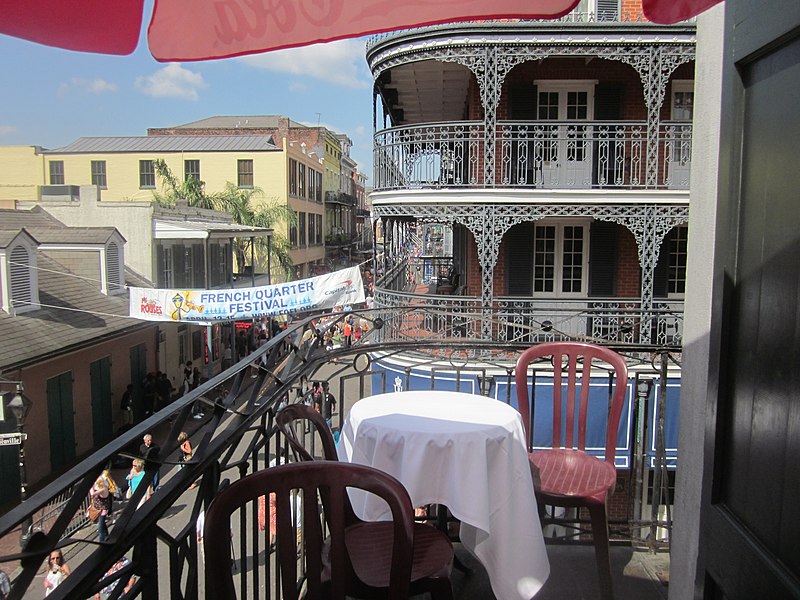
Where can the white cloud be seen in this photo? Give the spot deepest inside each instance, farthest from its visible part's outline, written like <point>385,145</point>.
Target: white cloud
<point>173,81</point>
<point>7,130</point>
<point>341,63</point>
<point>99,86</point>
<point>298,87</point>
<point>86,86</point>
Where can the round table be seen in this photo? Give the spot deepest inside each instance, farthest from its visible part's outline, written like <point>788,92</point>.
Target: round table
<point>464,451</point>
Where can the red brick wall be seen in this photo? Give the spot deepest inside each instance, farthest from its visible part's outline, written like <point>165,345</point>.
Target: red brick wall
<point>311,136</point>
<point>628,270</point>
<point>631,10</point>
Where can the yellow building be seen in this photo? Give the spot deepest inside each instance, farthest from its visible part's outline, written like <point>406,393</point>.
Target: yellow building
<point>123,168</point>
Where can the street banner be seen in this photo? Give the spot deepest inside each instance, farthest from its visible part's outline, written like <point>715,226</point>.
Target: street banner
<point>340,288</point>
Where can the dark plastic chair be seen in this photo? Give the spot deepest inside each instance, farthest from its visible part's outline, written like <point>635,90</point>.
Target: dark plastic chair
<point>368,541</point>
<point>566,475</point>
<point>327,570</point>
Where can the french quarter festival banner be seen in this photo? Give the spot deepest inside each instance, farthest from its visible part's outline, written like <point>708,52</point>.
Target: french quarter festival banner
<point>340,288</point>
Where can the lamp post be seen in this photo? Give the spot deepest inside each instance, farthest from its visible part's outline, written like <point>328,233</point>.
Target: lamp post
<point>19,405</point>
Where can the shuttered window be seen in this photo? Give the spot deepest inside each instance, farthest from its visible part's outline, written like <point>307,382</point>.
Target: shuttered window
<point>56,172</point>
<point>20,272</point>
<point>99,173</point>
<point>113,268</point>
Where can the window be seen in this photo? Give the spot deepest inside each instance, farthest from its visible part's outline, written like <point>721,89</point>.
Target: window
<point>293,236</point>
<point>167,266</point>
<point>301,183</point>
<point>318,197</point>
<point>191,169</point>
<point>188,267</point>
<point>679,136</point>
<point>312,238</point>
<point>292,177</point>
<point>319,230</point>
<point>114,268</point>
<point>676,273</point>
<point>559,259</point>
<point>302,228</point>
<point>312,184</point>
<point>147,174</point>
<point>20,278</point>
<point>56,172</point>
<point>99,173</point>
<point>183,355</point>
<point>244,173</point>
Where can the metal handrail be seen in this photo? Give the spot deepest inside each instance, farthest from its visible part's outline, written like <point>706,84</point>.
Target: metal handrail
<point>236,437</point>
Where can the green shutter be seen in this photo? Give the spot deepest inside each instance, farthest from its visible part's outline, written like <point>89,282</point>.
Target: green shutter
<point>102,416</point>
<point>61,420</point>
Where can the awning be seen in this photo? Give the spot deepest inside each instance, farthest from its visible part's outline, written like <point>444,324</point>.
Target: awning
<point>189,30</point>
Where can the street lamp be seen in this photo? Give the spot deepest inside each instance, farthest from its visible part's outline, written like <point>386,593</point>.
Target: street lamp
<point>19,405</point>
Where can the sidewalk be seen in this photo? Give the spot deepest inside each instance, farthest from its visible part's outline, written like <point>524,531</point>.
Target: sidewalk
<point>10,543</point>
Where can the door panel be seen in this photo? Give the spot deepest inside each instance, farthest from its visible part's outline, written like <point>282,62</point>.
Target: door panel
<point>564,151</point>
<point>102,416</point>
<point>752,520</point>
<point>61,420</point>
<point>138,361</point>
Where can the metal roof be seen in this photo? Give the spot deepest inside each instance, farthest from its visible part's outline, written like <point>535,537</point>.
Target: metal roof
<point>238,122</point>
<point>186,229</point>
<point>169,143</point>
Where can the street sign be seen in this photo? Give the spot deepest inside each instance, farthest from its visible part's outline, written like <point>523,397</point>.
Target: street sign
<point>12,439</point>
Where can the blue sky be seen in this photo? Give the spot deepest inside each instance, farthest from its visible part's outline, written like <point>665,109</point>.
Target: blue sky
<point>54,96</point>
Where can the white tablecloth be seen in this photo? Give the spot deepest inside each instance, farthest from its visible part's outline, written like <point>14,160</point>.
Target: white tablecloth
<point>468,453</point>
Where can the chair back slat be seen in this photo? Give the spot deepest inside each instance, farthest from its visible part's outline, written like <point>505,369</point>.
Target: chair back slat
<point>310,478</point>
<point>573,361</point>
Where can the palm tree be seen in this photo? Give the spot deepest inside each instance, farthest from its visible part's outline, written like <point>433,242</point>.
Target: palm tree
<point>241,206</point>
<point>192,189</point>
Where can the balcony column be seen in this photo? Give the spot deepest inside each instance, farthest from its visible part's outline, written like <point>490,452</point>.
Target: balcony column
<point>655,65</point>
<point>488,225</point>
<point>649,224</point>
<point>490,66</point>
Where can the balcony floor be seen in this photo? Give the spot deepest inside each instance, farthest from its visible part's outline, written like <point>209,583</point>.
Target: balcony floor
<point>637,574</point>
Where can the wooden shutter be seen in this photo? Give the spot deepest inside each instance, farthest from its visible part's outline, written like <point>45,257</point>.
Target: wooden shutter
<point>602,259</point>
<point>522,102</point>
<point>519,260</point>
<point>113,272</point>
<point>20,273</point>
<point>199,265</point>
<point>661,273</point>
<point>160,266</point>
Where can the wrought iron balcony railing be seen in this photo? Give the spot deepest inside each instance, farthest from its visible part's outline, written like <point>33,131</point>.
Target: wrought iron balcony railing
<point>236,436</point>
<point>532,155</point>
<point>607,321</point>
<point>596,18</point>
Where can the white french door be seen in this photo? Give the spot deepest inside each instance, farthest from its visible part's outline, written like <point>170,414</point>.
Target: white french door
<point>564,151</point>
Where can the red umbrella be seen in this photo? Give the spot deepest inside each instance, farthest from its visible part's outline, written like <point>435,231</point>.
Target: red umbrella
<point>186,30</point>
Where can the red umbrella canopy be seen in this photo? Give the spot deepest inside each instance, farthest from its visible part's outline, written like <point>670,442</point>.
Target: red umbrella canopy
<point>188,30</point>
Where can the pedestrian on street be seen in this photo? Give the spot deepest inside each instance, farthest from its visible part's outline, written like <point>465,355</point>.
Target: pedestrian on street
<point>150,451</point>
<point>57,571</point>
<point>101,500</point>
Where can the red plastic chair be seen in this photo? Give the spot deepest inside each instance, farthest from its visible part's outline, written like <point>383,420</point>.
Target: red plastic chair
<point>327,570</point>
<point>368,541</point>
<point>566,475</point>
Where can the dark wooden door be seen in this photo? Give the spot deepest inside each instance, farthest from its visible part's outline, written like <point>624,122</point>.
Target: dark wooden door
<point>61,420</point>
<point>102,414</point>
<point>138,362</point>
<point>751,518</point>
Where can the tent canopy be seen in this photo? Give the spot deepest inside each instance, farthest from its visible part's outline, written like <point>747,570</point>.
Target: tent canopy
<point>192,30</point>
